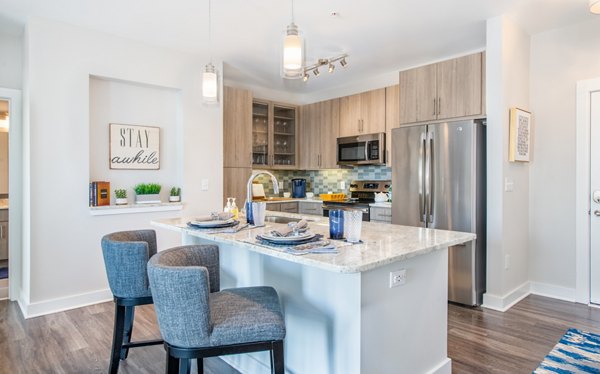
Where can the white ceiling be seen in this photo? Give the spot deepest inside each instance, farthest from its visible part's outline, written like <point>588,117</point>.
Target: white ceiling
<point>379,35</point>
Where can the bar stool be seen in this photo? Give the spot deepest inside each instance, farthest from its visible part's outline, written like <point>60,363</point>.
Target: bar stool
<point>197,319</point>
<point>126,254</point>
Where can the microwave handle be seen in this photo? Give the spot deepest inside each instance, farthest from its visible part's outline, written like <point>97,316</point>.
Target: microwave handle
<point>367,144</point>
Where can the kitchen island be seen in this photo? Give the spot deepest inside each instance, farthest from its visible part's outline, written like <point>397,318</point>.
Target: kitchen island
<point>341,314</point>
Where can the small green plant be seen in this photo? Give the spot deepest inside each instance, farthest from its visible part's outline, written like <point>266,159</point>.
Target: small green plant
<point>175,191</point>
<point>147,189</point>
<point>121,194</point>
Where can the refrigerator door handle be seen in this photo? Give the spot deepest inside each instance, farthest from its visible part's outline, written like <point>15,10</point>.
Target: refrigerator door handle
<point>431,187</point>
<point>423,178</point>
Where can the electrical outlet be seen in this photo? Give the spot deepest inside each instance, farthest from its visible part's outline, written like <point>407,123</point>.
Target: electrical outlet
<point>204,184</point>
<point>509,185</point>
<point>397,278</point>
<point>343,185</point>
<point>506,262</point>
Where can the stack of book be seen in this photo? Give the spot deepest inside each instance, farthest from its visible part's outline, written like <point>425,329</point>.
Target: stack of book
<point>99,193</point>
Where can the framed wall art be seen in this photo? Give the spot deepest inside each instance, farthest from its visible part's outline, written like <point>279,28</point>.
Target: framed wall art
<point>519,135</point>
<point>134,147</point>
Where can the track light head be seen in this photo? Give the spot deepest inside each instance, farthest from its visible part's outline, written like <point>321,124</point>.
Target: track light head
<point>331,67</point>
<point>316,72</point>
<point>305,77</point>
<point>343,62</point>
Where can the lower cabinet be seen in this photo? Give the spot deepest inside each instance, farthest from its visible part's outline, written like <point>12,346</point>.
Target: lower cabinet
<point>310,208</point>
<point>291,207</point>
<point>380,214</point>
<point>3,234</point>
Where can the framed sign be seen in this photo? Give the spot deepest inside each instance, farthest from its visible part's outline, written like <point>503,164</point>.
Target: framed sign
<point>519,135</point>
<point>134,147</point>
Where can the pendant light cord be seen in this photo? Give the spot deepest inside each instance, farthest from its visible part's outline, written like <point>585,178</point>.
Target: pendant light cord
<point>292,11</point>
<point>209,31</point>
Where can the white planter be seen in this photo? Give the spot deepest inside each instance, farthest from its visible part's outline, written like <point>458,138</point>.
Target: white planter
<point>147,199</point>
<point>174,199</point>
<point>121,201</point>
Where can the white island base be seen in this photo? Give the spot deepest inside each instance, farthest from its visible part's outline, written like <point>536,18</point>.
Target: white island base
<point>347,323</point>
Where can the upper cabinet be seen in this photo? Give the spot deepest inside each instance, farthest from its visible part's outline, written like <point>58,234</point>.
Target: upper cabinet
<point>274,135</point>
<point>320,129</point>
<point>392,118</point>
<point>237,127</point>
<point>362,113</point>
<point>448,89</point>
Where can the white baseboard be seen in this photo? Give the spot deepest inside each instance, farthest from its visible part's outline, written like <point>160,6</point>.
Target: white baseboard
<point>41,308</point>
<point>444,368</point>
<point>504,303</point>
<point>553,291</point>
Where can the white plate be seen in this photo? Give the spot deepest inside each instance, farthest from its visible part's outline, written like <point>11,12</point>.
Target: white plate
<point>275,239</point>
<point>212,224</point>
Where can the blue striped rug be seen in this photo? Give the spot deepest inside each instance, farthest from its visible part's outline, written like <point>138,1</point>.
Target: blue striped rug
<point>576,352</point>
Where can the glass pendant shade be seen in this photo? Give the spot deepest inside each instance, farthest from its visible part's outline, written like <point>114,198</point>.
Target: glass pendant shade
<point>595,6</point>
<point>210,84</point>
<point>293,54</point>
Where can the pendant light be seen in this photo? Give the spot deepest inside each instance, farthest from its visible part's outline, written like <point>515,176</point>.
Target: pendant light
<point>292,62</point>
<point>210,81</point>
<point>595,6</point>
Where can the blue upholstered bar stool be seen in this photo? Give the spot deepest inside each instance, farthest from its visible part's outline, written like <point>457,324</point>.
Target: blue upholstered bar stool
<point>198,320</point>
<point>126,255</point>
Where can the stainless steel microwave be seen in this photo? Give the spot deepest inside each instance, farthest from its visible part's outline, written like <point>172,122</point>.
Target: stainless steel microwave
<point>361,150</point>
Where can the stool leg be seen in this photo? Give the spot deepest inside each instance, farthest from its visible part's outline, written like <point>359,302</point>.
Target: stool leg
<point>117,339</point>
<point>277,357</point>
<point>172,364</point>
<point>200,364</point>
<point>128,330</point>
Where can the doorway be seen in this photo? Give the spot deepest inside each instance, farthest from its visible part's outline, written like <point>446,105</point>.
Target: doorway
<point>4,129</point>
<point>595,198</point>
<point>587,202</point>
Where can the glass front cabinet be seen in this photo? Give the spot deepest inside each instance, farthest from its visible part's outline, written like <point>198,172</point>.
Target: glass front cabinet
<point>274,135</point>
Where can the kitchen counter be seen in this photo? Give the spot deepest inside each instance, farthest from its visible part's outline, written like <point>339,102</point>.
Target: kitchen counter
<point>381,244</point>
<point>342,315</point>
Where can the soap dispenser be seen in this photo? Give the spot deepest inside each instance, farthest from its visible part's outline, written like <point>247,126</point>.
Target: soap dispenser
<point>227,208</point>
<point>234,209</point>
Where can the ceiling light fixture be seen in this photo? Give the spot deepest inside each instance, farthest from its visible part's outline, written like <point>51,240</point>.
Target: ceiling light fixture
<point>292,61</point>
<point>305,77</point>
<point>210,79</point>
<point>595,6</point>
<point>329,62</point>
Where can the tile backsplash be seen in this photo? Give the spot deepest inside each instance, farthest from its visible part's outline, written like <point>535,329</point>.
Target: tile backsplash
<point>324,181</point>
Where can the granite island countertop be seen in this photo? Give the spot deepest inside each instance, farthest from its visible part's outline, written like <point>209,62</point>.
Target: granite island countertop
<point>382,243</point>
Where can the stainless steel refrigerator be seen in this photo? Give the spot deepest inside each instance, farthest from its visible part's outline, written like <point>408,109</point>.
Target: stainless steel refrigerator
<point>438,181</point>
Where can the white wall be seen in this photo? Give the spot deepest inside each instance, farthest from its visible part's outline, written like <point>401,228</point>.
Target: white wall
<point>559,58</point>
<point>62,246</point>
<point>11,61</point>
<point>135,104</point>
<point>507,212</point>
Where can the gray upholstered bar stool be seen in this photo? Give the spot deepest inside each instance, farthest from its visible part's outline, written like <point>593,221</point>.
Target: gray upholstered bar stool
<point>198,320</point>
<point>126,254</point>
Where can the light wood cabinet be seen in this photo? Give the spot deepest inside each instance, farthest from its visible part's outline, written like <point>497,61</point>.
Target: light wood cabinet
<point>392,118</point>
<point>234,184</point>
<point>237,128</point>
<point>320,129</point>
<point>448,89</point>
<point>274,135</point>
<point>363,113</point>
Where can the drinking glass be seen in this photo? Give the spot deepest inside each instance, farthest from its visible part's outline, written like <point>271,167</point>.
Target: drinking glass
<point>336,224</point>
<point>259,211</point>
<point>352,225</point>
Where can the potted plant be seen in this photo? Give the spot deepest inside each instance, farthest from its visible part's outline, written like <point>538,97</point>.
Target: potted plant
<point>147,193</point>
<point>175,195</point>
<point>121,197</point>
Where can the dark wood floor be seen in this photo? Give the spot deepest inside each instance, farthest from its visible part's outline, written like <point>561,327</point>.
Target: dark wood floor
<point>479,340</point>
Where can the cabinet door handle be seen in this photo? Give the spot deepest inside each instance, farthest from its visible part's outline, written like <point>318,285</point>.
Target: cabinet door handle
<point>439,111</point>
<point>434,106</point>
<point>1,231</point>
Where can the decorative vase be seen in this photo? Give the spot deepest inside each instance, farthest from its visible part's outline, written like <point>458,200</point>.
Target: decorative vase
<point>121,201</point>
<point>174,199</point>
<point>147,199</point>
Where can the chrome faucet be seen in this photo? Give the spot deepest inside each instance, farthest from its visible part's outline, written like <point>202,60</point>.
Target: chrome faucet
<point>249,185</point>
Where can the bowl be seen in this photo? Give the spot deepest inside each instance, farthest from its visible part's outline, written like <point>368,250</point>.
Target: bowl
<point>286,194</point>
<point>310,195</point>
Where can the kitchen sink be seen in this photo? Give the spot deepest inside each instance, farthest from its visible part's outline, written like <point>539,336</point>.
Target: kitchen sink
<point>277,219</point>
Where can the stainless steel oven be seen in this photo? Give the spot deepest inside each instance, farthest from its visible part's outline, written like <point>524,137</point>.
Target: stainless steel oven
<point>362,193</point>
<point>361,149</point>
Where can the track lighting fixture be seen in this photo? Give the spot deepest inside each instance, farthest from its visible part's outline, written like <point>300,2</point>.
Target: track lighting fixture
<point>329,62</point>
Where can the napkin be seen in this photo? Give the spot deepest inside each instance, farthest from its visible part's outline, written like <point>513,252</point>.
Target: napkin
<point>223,216</point>
<point>290,228</point>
